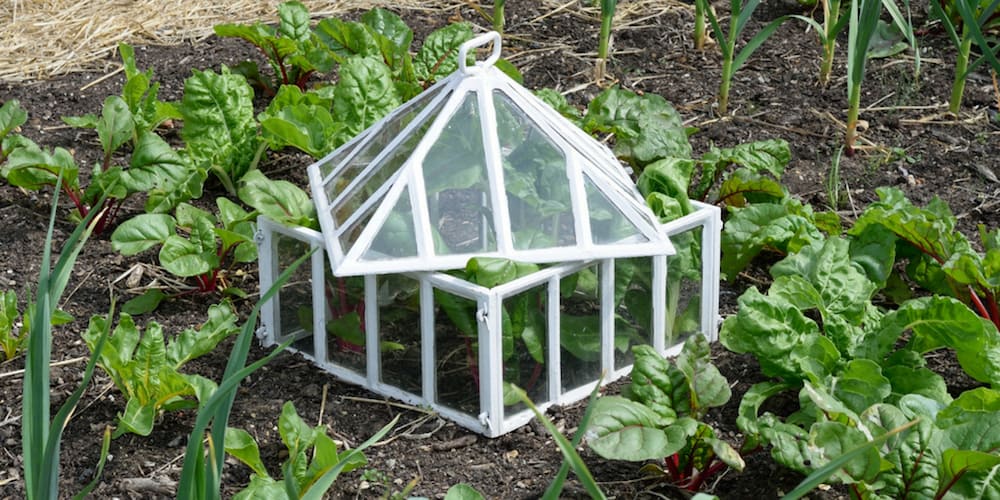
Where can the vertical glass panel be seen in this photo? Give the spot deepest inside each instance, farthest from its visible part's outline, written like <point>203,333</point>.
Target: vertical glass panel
<point>684,277</point>
<point>536,180</point>
<point>457,184</point>
<point>396,237</point>
<point>525,348</point>
<point>633,307</point>
<point>607,223</point>
<point>456,352</point>
<point>295,297</point>
<point>345,321</point>
<point>373,146</point>
<point>399,332</point>
<point>580,328</point>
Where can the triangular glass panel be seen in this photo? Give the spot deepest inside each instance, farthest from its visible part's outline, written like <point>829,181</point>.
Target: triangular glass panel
<point>535,179</point>
<point>381,138</point>
<point>397,237</point>
<point>456,182</point>
<point>607,222</point>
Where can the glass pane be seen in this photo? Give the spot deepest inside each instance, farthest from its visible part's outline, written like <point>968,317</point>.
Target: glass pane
<point>536,180</point>
<point>457,184</point>
<point>295,297</point>
<point>373,146</point>
<point>330,163</point>
<point>525,348</point>
<point>633,307</point>
<point>456,352</point>
<point>399,332</point>
<point>607,223</point>
<point>580,328</point>
<point>345,321</point>
<point>684,276</point>
<point>396,237</point>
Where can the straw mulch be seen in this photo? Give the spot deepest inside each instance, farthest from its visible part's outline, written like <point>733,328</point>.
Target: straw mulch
<point>44,38</point>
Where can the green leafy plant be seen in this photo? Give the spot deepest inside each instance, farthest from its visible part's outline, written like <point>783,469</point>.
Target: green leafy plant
<point>311,454</point>
<point>975,17</point>
<point>191,242</point>
<point>376,73</point>
<point>153,166</point>
<point>12,342</point>
<point>140,93</point>
<point>660,417</point>
<point>41,434</point>
<point>292,48</point>
<point>219,132</point>
<point>740,14</point>
<point>860,372</point>
<point>939,257</point>
<point>12,116</point>
<point>146,367</point>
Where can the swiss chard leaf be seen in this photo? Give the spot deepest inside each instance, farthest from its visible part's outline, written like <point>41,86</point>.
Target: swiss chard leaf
<point>281,201</point>
<point>363,95</point>
<point>647,128</point>
<point>438,56</point>
<point>219,128</point>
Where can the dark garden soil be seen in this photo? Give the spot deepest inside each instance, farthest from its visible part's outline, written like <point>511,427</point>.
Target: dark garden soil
<point>909,143</point>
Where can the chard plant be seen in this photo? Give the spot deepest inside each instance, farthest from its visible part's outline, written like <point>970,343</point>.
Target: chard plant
<point>732,61</point>
<point>193,242</point>
<point>153,166</point>
<point>292,48</point>
<point>859,371</point>
<point>660,417</point>
<point>146,367</point>
<point>311,453</point>
<point>14,326</point>
<point>140,93</point>
<point>12,116</point>
<point>974,17</point>
<point>219,132</point>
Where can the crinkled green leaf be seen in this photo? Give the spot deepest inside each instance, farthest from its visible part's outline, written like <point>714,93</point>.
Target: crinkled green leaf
<point>938,322</point>
<point>462,491</point>
<point>32,168</point>
<point>779,335</point>
<point>669,177</point>
<point>646,127</point>
<point>558,102</point>
<point>142,232</point>
<point>861,385</point>
<point>279,200</point>
<point>874,250</point>
<point>751,229</point>
<point>193,343</point>
<point>137,418</point>
<point>914,454</point>
<point>311,129</point>
<point>154,164</point>
<point>294,19</point>
<point>219,128</point>
<point>843,289</point>
<point>347,38</point>
<point>978,473</point>
<point>657,384</point>
<point>363,95</point>
<point>707,387</point>
<point>438,56</point>
<point>183,258</point>
<point>392,35</point>
<point>622,429</point>
<point>12,116</point>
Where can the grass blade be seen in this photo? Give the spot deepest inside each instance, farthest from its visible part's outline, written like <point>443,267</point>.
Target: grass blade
<point>105,447</point>
<point>555,488</point>
<point>316,490</point>
<point>196,482</point>
<point>568,450</point>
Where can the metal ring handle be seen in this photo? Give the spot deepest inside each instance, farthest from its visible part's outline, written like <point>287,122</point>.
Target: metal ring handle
<point>479,41</point>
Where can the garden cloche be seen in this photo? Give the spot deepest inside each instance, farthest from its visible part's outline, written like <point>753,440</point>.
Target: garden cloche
<point>477,165</point>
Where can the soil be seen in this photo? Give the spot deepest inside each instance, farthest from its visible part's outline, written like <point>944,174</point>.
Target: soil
<point>909,143</point>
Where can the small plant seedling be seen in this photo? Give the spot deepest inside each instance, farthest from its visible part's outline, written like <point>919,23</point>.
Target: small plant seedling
<point>193,243</point>
<point>145,366</point>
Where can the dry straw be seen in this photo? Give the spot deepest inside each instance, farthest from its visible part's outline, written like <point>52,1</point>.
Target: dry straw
<point>43,38</point>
